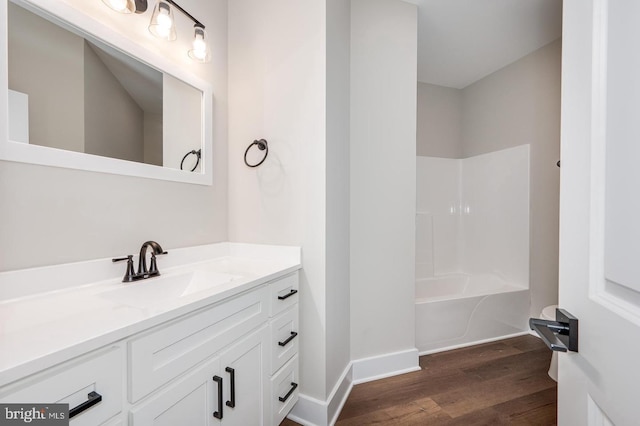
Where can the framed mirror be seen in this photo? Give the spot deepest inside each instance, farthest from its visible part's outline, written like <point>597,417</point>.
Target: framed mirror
<point>79,95</point>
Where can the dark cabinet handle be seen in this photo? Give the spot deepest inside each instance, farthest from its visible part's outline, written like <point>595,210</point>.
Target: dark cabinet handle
<point>284,398</point>
<point>290,338</point>
<point>218,414</point>
<point>232,376</point>
<point>94,398</point>
<point>291,293</point>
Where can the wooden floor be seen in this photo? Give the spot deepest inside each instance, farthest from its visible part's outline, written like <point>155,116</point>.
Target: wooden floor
<point>499,383</point>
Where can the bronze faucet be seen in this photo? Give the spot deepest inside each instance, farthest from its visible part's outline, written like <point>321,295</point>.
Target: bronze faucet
<point>143,272</point>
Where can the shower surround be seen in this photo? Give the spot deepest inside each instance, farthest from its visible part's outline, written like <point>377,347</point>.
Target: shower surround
<point>472,249</point>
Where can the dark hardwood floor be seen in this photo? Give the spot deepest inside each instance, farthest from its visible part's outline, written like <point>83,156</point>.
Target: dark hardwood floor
<point>499,383</point>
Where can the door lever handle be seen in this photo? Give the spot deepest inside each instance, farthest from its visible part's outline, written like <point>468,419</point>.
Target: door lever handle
<point>560,335</point>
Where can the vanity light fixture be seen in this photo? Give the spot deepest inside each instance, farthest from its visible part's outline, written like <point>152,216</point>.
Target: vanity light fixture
<point>200,49</point>
<point>163,25</point>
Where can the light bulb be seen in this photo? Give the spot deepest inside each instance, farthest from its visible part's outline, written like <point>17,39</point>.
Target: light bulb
<point>162,24</point>
<point>199,49</point>
<point>118,5</point>
<point>122,6</point>
<point>164,20</point>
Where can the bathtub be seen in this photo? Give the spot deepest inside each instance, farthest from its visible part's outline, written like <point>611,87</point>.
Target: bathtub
<point>459,310</point>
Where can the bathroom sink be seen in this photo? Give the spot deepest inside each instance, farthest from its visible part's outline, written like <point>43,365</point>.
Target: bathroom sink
<point>245,267</point>
<point>165,289</point>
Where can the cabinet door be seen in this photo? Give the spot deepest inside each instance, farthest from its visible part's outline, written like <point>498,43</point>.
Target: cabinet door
<point>244,367</point>
<point>192,400</point>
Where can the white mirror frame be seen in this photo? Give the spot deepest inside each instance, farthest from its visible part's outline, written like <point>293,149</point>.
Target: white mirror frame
<point>34,154</point>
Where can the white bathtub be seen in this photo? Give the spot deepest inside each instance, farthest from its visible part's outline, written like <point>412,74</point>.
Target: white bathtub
<point>459,310</point>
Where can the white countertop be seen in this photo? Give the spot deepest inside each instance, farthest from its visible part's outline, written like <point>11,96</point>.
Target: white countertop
<point>83,306</point>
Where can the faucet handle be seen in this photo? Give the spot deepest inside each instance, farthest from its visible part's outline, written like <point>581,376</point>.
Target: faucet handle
<point>130,275</point>
<point>153,268</point>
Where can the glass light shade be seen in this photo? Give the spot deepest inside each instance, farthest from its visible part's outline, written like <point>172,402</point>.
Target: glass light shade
<point>200,51</point>
<point>162,24</point>
<point>122,6</point>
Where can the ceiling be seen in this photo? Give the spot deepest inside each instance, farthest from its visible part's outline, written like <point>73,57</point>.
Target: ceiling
<point>462,41</point>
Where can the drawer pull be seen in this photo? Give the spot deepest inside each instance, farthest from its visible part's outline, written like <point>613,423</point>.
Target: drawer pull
<point>218,414</point>
<point>290,338</point>
<point>291,293</point>
<point>94,398</point>
<point>232,376</point>
<point>284,398</point>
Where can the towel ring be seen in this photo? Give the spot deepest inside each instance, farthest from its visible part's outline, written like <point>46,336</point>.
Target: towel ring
<point>262,146</point>
<point>197,153</point>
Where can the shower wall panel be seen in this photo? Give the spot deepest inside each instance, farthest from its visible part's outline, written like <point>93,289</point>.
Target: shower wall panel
<point>472,215</point>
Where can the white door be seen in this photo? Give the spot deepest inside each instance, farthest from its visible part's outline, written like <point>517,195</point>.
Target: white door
<point>600,212</point>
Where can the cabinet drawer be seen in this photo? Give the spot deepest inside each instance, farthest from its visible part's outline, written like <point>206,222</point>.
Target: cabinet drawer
<point>169,350</point>
<point>284,337</point>
<point>284,293</point>
<point>71,383</point>
<point>284,386</point>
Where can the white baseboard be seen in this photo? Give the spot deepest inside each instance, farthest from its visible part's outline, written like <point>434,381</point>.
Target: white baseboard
<point>339,395</point>
<point>310,411</point>
<point>476,342</point>
<point>387,365</point>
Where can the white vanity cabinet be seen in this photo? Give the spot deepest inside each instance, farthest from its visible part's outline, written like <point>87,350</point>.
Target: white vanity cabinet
<point>233,362</point>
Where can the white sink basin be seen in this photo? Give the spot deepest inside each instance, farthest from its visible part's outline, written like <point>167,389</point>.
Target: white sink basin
<point>164,289</point>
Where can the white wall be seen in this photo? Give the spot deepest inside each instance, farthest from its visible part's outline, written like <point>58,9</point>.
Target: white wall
<point>337,187</point>
<point>439,121</point>
<point>52,215</point>
<point>56,111</point>
<point>181,123</point>
<point>153,138</point>
<point>289,83</point>
<point>383,176</point>
<point>18,123</point>
<point>520,104</point>
<point>276,86</point>
<point>120,132</point>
